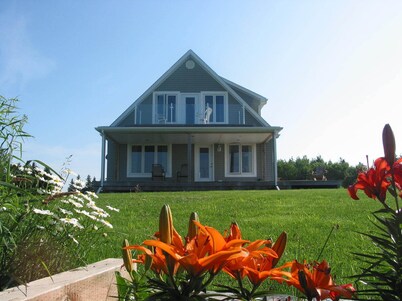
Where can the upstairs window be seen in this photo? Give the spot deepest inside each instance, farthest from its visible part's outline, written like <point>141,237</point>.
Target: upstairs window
<point>165,108</point>
<point>216,103</point>
<point>190,108</point>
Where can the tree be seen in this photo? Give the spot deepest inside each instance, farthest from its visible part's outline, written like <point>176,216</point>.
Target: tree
<point>302,168</point>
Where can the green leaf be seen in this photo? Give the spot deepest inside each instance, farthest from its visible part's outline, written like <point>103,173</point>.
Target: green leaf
<point>122,286</point>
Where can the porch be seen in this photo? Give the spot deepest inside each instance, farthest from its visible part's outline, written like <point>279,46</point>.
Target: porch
<point>212,155</point>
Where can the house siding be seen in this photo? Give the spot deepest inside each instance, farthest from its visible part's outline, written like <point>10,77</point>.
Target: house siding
<point>219,163</point>
<point>116,162</point>
<point>111,160</point>
<point>179,157</point>
<point>143,114</point>
<point>252,102</point>
<point>250,120</point>
<point>269,160</point>
<point>190,80</point>
<point>235,111</point>
<point>129,120</point>
<point>261,159</point>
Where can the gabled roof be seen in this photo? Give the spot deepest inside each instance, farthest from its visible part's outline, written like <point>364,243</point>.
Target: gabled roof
<point>223,82</point>
<point>247,91</point>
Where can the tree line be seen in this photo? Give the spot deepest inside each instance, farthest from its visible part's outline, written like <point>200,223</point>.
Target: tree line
<point>304,168</point>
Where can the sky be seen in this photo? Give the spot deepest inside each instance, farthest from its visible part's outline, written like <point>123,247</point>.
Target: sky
<point>331,70</point>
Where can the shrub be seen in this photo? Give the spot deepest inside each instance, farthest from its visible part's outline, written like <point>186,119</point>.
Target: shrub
<point>41,226</point>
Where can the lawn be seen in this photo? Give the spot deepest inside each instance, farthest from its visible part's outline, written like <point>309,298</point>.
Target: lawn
<point>306,215</point>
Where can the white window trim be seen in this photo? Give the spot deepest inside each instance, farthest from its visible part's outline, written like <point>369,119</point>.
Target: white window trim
<point>147,174</point>
<point>154,104</point>
<point>225,104</point>
<point>241,174</point>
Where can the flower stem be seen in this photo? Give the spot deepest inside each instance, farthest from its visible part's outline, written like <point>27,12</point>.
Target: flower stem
<point>326,241</point>
<point>394,188</point>
<point>239,281</point>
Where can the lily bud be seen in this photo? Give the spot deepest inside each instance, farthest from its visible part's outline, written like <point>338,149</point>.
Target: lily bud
<point>279,247</point>
<point>303,281</point>
<point>192,228</point>
<point>235,232</point>
<point>166,225</point>
<point>388,141</point>
<point>127,257</point>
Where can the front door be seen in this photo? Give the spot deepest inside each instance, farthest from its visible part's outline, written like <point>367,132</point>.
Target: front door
<point>203,163</point>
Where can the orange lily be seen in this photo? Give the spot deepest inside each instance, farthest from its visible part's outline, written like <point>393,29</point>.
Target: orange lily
<point>157,257</point>
<point>315,281</point>
<point>217,242</point>
<point>374,182</point>
<point>255,262</point>
<point>159,260</point>
<point>398,173</point>
<point>234,233</point>
<point>207,251</point>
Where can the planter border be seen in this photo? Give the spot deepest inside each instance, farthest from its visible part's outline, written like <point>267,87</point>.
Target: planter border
<point>94,282</point>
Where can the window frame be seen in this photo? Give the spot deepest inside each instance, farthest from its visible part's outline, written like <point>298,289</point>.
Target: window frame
<point>253,172</point>
<point>142,174</point>
<point>214,94</point>
<point>166,95</point>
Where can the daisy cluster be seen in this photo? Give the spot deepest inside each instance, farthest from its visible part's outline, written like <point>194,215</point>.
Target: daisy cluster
<point>70,211</point>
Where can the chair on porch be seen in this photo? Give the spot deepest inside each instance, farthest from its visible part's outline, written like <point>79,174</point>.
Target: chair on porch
<point>158,172</point>
<point>183,172</point>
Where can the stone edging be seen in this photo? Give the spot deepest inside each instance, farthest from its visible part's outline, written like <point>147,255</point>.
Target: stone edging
<point>94,282</point>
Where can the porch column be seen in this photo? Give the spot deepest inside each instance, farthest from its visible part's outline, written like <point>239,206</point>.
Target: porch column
<point>189,158</point>
<point>275,160</point>
<point>103,160</point>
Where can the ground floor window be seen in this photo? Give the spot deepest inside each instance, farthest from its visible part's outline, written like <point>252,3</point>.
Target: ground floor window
<point>240,160</point>
<point>141,157</point>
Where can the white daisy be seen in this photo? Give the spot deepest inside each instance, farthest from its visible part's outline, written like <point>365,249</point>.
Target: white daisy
<point>72,237</point>
<point>106,223</point>
<point>72,221</point>
<point>43,212</point>
<point>64,211</point>
<point>112,208</point>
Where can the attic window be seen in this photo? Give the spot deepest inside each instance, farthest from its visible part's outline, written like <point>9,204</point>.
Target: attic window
<point>190,64</point>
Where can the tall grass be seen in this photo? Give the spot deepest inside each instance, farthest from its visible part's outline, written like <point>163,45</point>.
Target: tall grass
<point>306,215</point>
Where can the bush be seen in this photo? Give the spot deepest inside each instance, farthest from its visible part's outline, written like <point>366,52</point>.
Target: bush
<point>41,226</point>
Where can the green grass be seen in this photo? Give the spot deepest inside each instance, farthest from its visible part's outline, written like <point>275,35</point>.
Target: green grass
<point>306,215</point>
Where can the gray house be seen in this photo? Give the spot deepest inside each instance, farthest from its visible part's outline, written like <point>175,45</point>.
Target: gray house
<point>191,129</point>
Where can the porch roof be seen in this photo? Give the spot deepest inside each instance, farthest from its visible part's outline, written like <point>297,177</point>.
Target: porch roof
<point>181,135</point>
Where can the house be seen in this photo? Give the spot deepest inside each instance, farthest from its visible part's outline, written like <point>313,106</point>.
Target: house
<point>197,128</point>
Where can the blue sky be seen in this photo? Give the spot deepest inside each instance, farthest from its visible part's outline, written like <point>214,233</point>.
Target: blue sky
<point>332,70</point>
